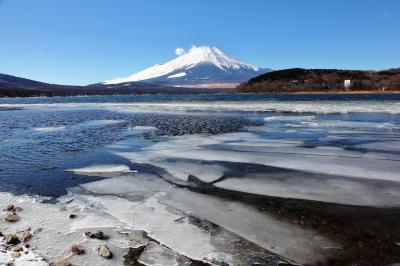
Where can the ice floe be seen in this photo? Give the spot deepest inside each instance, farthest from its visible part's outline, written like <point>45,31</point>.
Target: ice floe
<point>362,174</point>
<point>315,161</point>
<point>164,215</point>
<point>102,170</point>
<point>183,170</point>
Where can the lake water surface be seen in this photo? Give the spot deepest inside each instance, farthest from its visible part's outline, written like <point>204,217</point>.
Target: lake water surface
<point>138,151</point>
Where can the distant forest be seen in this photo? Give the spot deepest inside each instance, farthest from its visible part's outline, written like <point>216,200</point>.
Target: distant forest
<point>323,80</point>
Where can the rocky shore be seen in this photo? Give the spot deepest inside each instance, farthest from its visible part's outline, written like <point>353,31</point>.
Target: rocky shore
<point>66,233</point>
<point>38,233</point>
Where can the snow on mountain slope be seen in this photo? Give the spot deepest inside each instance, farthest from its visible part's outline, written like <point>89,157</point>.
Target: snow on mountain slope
<point>200,65</point>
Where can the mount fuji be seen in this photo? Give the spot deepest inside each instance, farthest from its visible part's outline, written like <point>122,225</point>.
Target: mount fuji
<point>201,66</point>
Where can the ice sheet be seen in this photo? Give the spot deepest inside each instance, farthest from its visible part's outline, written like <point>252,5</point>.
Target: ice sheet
<point>388,146</point>
<point>159,212</point>
<point>359,173</point>
<point>327,163</point>
<point>324,107</point>
<point>318,188</point>
<point>182,170</point>
<point>158,255</point>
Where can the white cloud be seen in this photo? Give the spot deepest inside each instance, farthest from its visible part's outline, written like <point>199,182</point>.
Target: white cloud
<point>193,47</point>
<point>180,51</point>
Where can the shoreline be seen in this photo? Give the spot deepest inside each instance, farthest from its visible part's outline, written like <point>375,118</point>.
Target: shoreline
<point>367,235</point>
<point>325,92</point>
<point>232,91</point>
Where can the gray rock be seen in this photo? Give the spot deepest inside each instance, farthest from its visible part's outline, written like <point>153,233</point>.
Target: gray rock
<point>15,255</point>
<point>9,208</point>
<point>63,262</point>
<point>104,251</point>
<point>11,218</point>
<point>95,234</point>
<point>18,249</point>
<point>76,249</point>
<point>11,239</point>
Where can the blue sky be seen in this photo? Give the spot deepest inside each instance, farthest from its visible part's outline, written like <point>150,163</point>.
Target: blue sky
<point>82,42</point>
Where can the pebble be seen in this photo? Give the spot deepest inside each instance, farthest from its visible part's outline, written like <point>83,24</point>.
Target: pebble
<point>9,208</point>
<point>76,249</point>
<point>63,262</point>
<point>15,255</point>
<point>11,218</point>
<point>11,239</point>
<point>18,249</point>
<point>26,236</point>
<point>95,234</point>
<point>104,251</point>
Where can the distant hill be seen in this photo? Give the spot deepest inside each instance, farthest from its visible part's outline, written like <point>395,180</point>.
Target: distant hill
<point>323,80</point>
<point>11,86</point>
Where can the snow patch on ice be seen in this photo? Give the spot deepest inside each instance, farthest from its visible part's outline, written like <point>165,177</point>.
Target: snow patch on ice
<point>49,129</point>
<point>104,122</point>
<point>289,118</point>
<point>106,168</point>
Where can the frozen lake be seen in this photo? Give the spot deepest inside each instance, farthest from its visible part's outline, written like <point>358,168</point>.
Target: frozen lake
<point>204,166</point>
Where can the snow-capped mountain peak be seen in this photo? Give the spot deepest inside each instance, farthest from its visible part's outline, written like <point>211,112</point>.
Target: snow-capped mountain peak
<point>213,55</point>
<point>200,63</point>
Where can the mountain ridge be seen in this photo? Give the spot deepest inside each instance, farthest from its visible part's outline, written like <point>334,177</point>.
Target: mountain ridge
<point>13,86</point>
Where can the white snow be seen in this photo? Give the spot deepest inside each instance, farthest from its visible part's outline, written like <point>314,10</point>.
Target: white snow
<point>289,118</point>
<point>104,122</point>
<point>108,168</point>
<point>143,128</point>
<point>178,75</point>
<point>48,129</point>
<point>322,107</point>
<point>26,259</point>
<point>195,56</point>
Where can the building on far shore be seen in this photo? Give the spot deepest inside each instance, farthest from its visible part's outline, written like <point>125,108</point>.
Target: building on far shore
<point>347,84</point>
